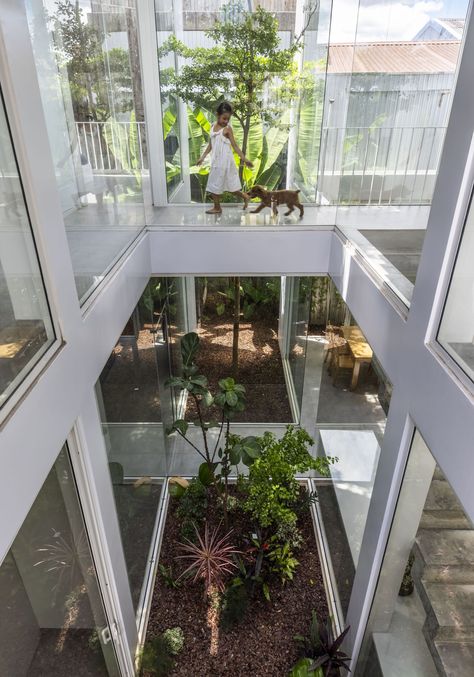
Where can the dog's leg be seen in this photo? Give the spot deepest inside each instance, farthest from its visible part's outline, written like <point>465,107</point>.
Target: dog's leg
<point>301,208</point>
<point>261,206</point>
<point>291,208</point>
<point>274,208</point>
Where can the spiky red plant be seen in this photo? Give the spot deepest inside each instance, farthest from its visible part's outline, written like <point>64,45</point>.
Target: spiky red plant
<point>211,557</point>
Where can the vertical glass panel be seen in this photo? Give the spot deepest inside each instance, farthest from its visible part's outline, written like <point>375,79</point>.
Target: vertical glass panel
<point>310,141</point>
<point>253,356</point>
<point>135,406</point>
<point>297,293</point>
<point>165,15</point>
<point>456,333</point>
<point>26,330</point>
<point>88,69</point>
<point>392,102</point>
<point>350,397</point>
<point>421,617</point>
<point>52,619</point>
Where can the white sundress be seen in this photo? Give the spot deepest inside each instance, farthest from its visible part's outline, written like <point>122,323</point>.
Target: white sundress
<point>223,175</point>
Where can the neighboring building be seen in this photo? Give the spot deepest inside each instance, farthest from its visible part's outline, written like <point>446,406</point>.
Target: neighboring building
<point>441,29</point>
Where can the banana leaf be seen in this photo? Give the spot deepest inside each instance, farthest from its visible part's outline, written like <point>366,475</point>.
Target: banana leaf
<point>169,119</point>
<point>309,137</point>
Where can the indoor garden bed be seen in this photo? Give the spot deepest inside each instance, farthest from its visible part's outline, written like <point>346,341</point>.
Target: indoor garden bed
<point>239,587</point>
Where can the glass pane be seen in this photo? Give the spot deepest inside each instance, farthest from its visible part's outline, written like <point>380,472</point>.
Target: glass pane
<point>252,354</point>
<point>351,395</point>
<point>456,333</point>
<point>88,68</point>
<point>170,106</point>
<point>389,92</point>
<point>298,298</point>
<point>26,330</point>
<point>421,617</point>
<point>134,404</point>
<point>52,620</point>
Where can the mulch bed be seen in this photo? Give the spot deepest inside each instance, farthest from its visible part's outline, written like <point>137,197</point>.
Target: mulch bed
<point>260,367</point>
<point>262,643</point>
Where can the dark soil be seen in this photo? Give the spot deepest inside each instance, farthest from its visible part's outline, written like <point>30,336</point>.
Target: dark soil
<point>260,367</point>
<point>74,657</point>
<point>129,381</point>
<point>262,643</point>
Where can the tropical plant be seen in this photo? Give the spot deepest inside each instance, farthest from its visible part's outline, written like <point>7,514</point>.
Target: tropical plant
<point>229,399</point>
<point>156,658</point>
<point>167,575</point>
<point>283,563</point>
<point>192,507</point>
<point>210,559</point>
<point>322,648</point>
<point>235,602</point>
<point>272,490</point>
<point>123,145</point>
<point>303,668</point>
<point>174,638</point>
<point>247,65</point>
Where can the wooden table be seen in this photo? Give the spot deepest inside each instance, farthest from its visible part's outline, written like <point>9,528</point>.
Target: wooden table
<point>360,350</point>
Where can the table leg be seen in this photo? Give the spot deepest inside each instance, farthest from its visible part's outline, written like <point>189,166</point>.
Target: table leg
<point>355,375</point>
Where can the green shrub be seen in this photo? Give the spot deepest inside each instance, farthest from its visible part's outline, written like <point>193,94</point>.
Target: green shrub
<point>272,490</point>
<point>156,658</point>
<point>174,639</point>
<point>235,602</point>
<point>192,508</point>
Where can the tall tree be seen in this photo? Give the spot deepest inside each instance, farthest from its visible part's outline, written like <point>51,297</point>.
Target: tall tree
<point>246,65</point>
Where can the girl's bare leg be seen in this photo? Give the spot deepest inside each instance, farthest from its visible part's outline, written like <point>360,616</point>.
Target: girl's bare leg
<point>244,197</point>
<point>217,209</point>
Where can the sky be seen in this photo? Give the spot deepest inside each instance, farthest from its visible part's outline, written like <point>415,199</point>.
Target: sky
<point>388,20</point>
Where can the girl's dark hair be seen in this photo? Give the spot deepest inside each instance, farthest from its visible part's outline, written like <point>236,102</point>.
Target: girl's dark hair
<point>224,107</point>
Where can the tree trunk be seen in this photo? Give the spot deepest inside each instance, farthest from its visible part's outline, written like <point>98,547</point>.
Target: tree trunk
<point>245,140</point>
<point>235,339</point>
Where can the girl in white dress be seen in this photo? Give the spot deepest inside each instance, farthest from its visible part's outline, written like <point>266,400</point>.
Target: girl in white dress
<point>223,175</point>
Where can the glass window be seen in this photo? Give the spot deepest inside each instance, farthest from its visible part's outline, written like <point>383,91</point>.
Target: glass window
<point>135,406</point>
<point>26,330</point>
<point>391,74</point>
<point>52,620</point>
<point>456,333</point>
<point>350,398</point>
<point>170,106</point>
<point>421,618</point>
<point>88,68</point>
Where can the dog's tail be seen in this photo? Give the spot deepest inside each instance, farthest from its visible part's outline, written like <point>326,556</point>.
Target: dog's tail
<point>297,191</point>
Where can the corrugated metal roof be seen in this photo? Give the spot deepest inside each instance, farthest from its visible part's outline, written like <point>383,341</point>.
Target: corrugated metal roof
<point>439,56</point>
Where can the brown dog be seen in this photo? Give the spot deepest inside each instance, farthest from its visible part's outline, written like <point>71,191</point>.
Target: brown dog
<point>273,198</point>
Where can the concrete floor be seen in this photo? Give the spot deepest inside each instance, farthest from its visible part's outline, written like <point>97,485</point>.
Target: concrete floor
<point>401,247</point>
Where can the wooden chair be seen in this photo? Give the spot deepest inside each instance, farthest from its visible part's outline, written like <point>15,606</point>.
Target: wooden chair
<point>342,360</point>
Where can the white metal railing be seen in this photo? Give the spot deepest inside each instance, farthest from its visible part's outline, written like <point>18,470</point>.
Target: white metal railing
<point>382,165</point>
<point>116,147</point>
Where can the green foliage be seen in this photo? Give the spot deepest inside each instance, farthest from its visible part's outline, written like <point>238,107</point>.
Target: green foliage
<point>235,602</point>
<point>156,658</point>
<point>192,507</point>
<point>247,65</point>
<point>272,489</point>
<point>322,647</point>
<point>303,668</point>
<point>174,638</point>
<point>287,533</point>
<point>167,575</point>
<point>230,397</point>
<point>283,563</point>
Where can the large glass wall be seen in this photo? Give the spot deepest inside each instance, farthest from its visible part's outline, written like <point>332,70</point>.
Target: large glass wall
<point>456,333</point>
<point>350,399</point>
<point>88,69</point>
<point>26,330</point>
<point>389,93</point>
<point>135,407</point>
<point>52,620</point>
<point>421,618</point>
